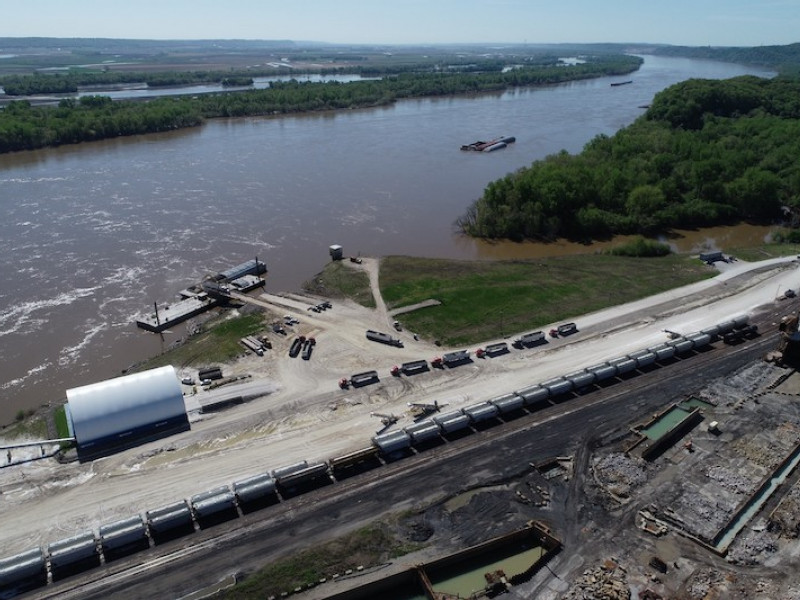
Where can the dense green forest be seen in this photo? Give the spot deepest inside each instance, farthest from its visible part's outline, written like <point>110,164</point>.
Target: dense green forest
<point>73,80</point>
<point>705,153</point>
<point>25,127</point>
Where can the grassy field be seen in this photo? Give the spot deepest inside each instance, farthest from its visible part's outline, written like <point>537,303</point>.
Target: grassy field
<point>764,251</point>
<point>338,279</point>
<point>29,424</point>
<point>365,547</point>
<point>486,300</point>
<point>218,342</point>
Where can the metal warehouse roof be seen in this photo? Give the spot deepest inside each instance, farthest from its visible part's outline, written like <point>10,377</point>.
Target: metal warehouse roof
<point>104,409</point>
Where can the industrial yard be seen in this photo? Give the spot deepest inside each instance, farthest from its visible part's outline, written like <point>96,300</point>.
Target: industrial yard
<point>573,462</point>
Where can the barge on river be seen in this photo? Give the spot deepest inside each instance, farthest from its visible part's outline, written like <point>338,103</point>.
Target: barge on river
<point>199,298</point>
<point>491,146</point>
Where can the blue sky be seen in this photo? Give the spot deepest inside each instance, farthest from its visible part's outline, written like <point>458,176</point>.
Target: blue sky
<point>683,22</point>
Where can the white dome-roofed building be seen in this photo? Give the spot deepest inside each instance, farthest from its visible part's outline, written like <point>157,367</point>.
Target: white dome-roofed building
<point>119,413</point>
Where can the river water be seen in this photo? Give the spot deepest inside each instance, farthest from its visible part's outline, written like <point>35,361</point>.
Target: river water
<point>93,234</point>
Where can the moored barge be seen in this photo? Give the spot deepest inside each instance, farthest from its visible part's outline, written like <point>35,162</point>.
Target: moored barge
<point>490,146</point>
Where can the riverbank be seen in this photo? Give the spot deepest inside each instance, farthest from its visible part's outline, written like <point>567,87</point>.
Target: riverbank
<point>478,300</point>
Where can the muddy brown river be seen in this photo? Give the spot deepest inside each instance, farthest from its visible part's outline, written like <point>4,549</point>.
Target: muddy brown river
<point>93,234</point>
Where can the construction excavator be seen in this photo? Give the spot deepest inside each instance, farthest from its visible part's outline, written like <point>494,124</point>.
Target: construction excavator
<point>420,410</point>
<point>386,420</point>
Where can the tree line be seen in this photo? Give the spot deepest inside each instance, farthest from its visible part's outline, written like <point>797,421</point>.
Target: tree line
<point>26,127</point>
<point>784,58</point>
<point>705,153</point>
<point>72,81</point>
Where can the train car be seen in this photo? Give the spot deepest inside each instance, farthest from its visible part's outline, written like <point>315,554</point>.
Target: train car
<point>214,506</point>
<point>354,462</point>
<point>170,522</point>
<point>424,432</point>
<point>663,352</point>
<point>603,372</point>
<point>534,395</point>
<point>452,422</point>
<point>726,327</point>
<point>483,411</point>
<point>682,345</point>
<point>580,379</point>
<point>73,555</point>
<point>558,386</point>
<point>124,537</point>
<point>740,321</point>
<point>255,492</point>
<point>302,480</point>
<point>508,403</point>
<point>623,364</point>
<point>22,572</point>
<point>643,358</point>
<point>700,339</point>
<point>393,443</point>
<point>288,469</point>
